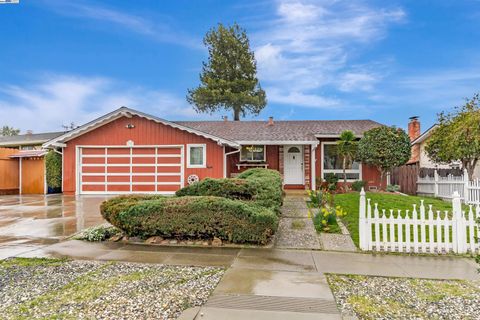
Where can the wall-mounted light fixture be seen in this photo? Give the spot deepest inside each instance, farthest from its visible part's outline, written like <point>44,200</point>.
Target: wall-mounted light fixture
<point>130,126</point>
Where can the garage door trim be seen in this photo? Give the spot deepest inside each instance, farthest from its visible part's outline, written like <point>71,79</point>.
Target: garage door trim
<point>79,165</point>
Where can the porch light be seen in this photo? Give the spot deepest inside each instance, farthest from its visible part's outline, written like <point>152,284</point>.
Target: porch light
<point>130,126</point>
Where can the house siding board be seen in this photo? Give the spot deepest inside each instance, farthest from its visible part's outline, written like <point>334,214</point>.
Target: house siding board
<point>145,132</point>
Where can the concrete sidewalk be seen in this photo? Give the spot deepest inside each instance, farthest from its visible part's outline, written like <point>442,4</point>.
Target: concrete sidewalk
<point>434,267</point>
<point>264,283</point>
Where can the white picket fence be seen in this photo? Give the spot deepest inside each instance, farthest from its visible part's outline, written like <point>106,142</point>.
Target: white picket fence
<point>421,230</point>
<point>444,187</point>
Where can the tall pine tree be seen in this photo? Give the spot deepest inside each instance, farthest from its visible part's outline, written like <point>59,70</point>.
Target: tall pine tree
<point>229,77</point>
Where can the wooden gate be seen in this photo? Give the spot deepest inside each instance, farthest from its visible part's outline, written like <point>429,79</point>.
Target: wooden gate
<point>406,178</point>
<point>8,172</point>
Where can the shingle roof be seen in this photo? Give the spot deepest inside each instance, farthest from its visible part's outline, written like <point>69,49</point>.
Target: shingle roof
<point>280,130</point>
<point>28,139</point>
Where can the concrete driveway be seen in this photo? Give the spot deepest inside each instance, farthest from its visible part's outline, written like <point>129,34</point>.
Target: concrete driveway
<point>33,220</point>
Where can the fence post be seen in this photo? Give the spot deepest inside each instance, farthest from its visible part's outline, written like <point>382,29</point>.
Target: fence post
<point>435,186</point>
<point>466,195</point>
<point>361,225</point>
<point>458,224</point>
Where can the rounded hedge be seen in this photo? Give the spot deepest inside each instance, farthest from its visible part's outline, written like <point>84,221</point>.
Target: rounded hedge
<point>262,186</point>
<point>191,217</point>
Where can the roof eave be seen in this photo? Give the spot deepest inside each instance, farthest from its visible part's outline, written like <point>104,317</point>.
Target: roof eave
<point>124,111</point>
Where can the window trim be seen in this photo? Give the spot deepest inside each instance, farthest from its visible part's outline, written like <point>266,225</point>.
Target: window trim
<point>251,160</point>
<point>324,171</point>
<point>193,145</point>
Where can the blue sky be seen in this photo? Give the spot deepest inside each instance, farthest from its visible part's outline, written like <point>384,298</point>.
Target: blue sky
<point>329,59</point>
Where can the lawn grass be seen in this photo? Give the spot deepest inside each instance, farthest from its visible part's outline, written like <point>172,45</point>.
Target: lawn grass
<point>350,203</point>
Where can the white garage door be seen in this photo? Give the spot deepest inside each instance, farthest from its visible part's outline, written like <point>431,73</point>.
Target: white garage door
<point>120,169</point>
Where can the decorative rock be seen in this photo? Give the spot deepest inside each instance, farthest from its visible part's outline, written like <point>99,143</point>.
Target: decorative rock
<point>173,241</point>
<point>154,240</point>
<point>205,243</point>
<point>198,242</point>
<point>190,243</point>
<point>165,241</point>
<point>116,238</point>
<point>216,242</point>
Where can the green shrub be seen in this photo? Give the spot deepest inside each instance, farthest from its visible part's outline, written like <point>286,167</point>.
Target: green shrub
<point>53,168</point>
<point>331,180</point>
<point>358,185</point>
<point>191,217</point>
<point>262,186</point>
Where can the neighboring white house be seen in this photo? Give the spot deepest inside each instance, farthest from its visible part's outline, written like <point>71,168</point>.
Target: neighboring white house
<point>420,156</point>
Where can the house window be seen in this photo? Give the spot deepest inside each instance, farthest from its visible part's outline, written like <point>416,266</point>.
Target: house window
<point>196,155</point>
<point>332,163</point>
<point>252,153</point>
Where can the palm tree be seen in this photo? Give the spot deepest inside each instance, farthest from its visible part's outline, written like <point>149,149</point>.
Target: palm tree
<point>347,150</point>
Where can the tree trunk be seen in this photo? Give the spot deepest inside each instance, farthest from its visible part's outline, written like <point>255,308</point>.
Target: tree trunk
<point>236,114</point>
<point>344,174</point>
<point>382,174</point>
<point>470,166</point>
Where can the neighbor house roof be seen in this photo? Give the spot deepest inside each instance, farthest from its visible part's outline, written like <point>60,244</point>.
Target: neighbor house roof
<point>127,112</point>
<point>28,139</point>
<point>29,153</point>
<point>280,131</point>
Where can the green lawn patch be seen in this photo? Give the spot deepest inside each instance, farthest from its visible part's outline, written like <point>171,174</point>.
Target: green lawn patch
<point>350,203</point>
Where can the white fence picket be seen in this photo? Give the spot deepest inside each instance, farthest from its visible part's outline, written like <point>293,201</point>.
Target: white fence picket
<point>447,232</point>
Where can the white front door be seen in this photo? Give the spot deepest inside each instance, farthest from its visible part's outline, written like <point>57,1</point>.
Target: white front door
<point>293,165</point>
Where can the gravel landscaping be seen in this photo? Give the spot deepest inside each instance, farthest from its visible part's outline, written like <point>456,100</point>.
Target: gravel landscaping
<point>60,289</point>
<point>369,297</point>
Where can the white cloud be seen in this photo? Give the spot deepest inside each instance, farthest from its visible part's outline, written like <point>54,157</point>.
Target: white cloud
<point>157,30</point>
<point>58,99</point>
<point>301,99</point>
<point>309,45</point>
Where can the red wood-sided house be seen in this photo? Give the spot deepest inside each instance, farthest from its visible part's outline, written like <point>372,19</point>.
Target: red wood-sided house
<point>127,151</point>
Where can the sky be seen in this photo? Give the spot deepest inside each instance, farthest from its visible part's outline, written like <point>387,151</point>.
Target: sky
<point>72,61</point>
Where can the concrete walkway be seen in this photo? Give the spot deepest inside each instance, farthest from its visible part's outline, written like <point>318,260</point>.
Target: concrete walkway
<point>266,283</point>
<point>296,229</point>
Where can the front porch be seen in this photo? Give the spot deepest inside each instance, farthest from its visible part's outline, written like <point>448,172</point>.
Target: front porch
<point>293,161</point>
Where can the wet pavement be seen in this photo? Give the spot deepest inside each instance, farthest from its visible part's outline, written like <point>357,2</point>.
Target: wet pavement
<point>52,216</point>
<point>29,222</point>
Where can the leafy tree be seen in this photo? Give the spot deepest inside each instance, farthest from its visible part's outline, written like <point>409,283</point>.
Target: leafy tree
<point>229,78</point>
<point>9,131</point>
<point>347,150</point>
<point>457,136</point>
<point>385,148</point>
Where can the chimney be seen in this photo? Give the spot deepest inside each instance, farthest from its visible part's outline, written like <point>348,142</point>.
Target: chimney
<point>270,121</point>
<point>414,133</point>
<point>414,128</point>
<point>225,118</point>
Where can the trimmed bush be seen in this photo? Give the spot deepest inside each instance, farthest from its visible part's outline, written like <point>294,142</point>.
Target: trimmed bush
<point>53,165</point>
<point>262,186</point>
<point>191,217</point>
<point>358,185</point>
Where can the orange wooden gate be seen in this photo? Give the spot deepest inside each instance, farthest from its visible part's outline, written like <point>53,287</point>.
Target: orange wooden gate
<point>9,180</point>
<point>33,175</point>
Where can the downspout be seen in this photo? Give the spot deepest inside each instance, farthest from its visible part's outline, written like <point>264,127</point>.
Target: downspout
<point>225,159</point>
